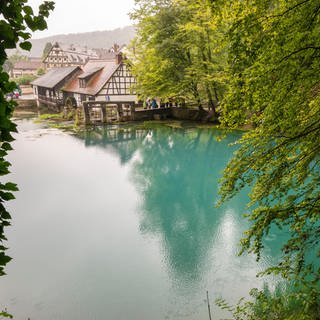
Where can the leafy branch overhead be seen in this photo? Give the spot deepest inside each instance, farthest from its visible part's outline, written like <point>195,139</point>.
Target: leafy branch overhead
<point>17,20</point>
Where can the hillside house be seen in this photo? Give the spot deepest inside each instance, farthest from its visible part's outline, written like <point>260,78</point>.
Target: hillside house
<point>47,89</point>
<point>65,55</point>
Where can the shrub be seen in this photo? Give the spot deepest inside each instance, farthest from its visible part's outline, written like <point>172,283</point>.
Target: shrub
<point>26,79</point>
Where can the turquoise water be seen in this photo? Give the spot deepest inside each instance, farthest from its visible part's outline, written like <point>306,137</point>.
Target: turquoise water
<point>121,224</point>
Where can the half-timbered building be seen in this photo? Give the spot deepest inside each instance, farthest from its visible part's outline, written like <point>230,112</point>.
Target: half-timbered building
<point>47,89</point>
<point>66,55</point>
<point>103,80</point>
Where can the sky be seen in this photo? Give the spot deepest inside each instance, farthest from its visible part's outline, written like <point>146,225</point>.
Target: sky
<point>73,16</point>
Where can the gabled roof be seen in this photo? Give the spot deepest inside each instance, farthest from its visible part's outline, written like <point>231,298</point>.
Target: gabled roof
<point>90,72</point>
<point>54,77</point>
<point>97,80</point>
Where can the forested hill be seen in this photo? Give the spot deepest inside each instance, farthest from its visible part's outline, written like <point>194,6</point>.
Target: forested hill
<point>96,39</point>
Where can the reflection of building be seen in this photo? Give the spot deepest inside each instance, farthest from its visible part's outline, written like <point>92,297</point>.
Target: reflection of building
<point>27,67</point>
<point>123,142</point>
<point>67,55</point>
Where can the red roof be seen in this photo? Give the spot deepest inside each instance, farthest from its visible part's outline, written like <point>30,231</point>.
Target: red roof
<point>98,77</point>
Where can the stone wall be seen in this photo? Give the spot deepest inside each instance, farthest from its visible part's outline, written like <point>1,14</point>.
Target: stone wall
<point>152,114</point>
<point>26,104</point>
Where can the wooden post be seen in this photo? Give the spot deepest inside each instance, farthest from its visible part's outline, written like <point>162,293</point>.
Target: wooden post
<point>86,114</point>
<point>208,305</point>
<point>103,113</point>
<point>120,111</point>
<point>133,110</point>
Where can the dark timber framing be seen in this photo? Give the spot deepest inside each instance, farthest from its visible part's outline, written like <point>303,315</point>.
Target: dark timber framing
<point>121,82</point>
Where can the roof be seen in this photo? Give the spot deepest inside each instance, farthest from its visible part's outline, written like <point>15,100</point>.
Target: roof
<point>28,65</point>
<point>54,77</point>
<point>97,80</point>
<point>90,72</point>
<point>77,50</point>
<point>105,54</point>
<point>75,53</point>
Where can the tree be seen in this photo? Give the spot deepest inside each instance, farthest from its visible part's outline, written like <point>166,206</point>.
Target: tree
<point>159,59</point>
<point>12,60</point>
<point>178,51</point>
<point>40,72</point>
<point>274,86</point>
<point>47,48</point>
<point>17,19</point>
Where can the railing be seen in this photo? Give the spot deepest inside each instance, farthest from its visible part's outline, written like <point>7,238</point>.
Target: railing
<point>50,100</point>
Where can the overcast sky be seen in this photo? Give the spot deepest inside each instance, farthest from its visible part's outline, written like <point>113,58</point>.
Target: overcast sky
<point>72,16</point>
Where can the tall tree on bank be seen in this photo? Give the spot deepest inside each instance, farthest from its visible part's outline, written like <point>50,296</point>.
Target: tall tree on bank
<point>17,19</point>
<point>274,61</point>
<point>159,58</point>
<point>202,34</point>
<point>177,52</point>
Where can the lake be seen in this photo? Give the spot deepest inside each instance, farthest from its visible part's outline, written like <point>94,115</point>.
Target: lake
<point>121,223</point>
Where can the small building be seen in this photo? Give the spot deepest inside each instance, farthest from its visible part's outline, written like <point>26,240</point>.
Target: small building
<point>67,55</point>
<point>103,80</point>
<point>27,67</point>
<point>47,89</point>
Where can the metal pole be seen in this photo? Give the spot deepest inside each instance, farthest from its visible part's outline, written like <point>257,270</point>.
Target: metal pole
<point>208,306</point>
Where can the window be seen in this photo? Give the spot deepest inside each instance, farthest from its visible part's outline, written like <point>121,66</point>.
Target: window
<point>82,83</point>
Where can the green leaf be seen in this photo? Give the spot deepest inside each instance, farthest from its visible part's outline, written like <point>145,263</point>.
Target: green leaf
<point>6,146</point>
<point>11,186</point>
<point>28,10</point>
<point>26,45</point>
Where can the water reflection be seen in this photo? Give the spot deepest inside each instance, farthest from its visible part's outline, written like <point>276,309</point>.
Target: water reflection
<point>176,172</point>
<point>122,222</point>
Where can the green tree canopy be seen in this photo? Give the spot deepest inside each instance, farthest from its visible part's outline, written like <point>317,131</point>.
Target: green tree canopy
<point>178,51</point>
<point>274,85</point>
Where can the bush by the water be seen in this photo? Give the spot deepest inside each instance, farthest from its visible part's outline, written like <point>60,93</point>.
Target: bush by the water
<point>290,303</point>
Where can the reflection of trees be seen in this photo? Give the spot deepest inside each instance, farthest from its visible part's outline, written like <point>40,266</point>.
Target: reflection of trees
<point>178,177</point>
<point>177,174</point>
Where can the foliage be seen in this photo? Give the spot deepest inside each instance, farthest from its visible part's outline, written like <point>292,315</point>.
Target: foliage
<point>25,79</point>
<point>12,60</point>
<point>280,304</point>
<point>41,72</point>
<point>46,49</point>
<point>178,51</point>
<point>275,63</point>
<point>51,116</point>
<point>16,21</point>
<point>5,314</point>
